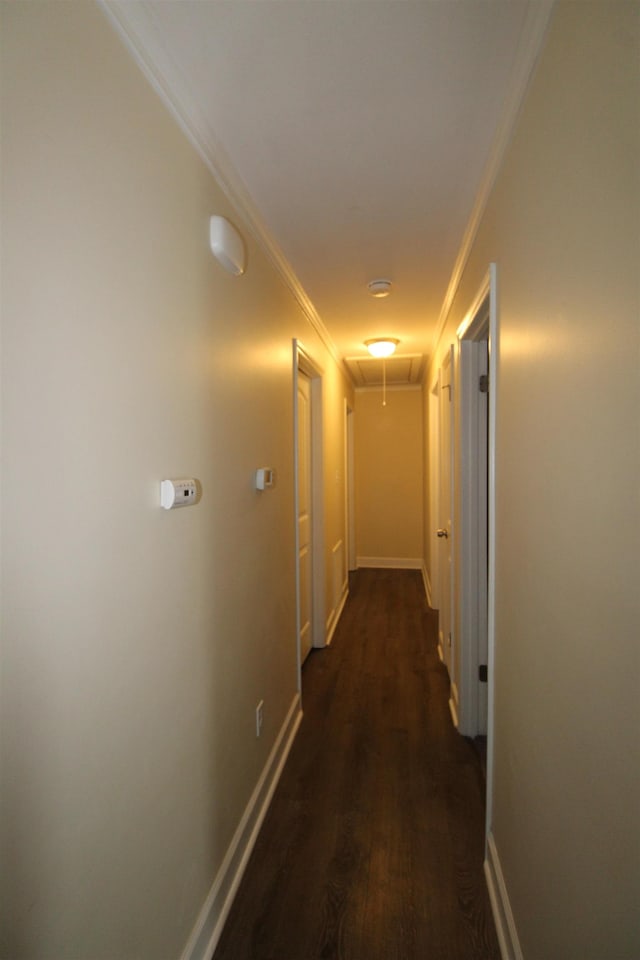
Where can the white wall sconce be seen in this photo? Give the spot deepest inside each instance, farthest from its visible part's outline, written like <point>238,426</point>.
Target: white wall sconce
<point>227,245</point>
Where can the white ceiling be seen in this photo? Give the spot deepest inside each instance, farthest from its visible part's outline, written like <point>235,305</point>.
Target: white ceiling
<point>360,136</point>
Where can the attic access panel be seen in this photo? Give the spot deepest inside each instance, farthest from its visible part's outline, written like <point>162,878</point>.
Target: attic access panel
<point>401,370</point>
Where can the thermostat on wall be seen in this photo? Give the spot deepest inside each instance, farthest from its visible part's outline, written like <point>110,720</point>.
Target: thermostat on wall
<point>265,478</point>
<point>177,493</point>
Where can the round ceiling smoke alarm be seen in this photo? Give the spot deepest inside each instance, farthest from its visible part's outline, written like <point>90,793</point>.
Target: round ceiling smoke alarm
<point>379,288</point>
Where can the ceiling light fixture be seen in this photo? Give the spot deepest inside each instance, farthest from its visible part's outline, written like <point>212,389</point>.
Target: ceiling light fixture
<point>381,347</point>
<point>379,288</point>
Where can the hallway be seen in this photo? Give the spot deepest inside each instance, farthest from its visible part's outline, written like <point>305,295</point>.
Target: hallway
<point>372,847</point>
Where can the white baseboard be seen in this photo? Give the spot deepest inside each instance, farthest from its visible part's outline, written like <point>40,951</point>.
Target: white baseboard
<point>454,713</point>
<point>335,620</point>
<point>208,927</point>
<point>427,583</point>
<point>500,907</point>
<point>454,704</point>
<point>391,563</point>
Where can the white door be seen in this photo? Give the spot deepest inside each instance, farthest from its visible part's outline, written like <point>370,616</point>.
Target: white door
<point>477,396</point>
<point>305,525</point>
<point>444,530</point>
<point>473,526</point>
<point>483,535</point>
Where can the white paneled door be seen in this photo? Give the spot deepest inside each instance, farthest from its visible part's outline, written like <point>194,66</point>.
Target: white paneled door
<point>445,527</point>
<point>305,525</point>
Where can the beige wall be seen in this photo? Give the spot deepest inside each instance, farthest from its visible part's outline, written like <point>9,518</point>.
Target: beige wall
<point>389,476</point>
<point>136,643</point>
<point>563,224</point>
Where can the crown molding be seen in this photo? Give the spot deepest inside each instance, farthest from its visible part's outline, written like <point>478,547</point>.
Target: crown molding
<point>532,37</point>
<point>136,25</point>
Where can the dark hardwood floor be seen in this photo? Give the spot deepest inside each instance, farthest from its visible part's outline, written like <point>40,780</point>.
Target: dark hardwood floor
<point>372,847</point>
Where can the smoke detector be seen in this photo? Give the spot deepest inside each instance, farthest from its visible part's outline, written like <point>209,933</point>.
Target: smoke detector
<point>379,288</point>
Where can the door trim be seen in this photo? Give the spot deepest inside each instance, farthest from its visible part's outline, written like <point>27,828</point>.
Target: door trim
<point>350,496</point>
<point>303,361</point>
<point>473,492</point>
<point>473,329</point>
<point>434,488</point>
<point>446,582</point>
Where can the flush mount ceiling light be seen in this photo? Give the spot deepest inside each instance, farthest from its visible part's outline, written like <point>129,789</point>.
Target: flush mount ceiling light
<point>381,347</point>
<point>379,288</point>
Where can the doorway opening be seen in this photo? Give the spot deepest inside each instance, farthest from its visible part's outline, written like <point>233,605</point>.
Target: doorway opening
<point>445,527</point>
<point>309,526</point>
<point>477,372</point>
<point>350,509</point>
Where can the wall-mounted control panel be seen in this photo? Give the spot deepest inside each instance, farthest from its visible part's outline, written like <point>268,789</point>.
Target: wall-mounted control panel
<point>178,493</point>
<point>265,478</point>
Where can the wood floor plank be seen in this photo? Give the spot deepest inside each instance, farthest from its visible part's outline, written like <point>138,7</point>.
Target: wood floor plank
<point>372,847</point>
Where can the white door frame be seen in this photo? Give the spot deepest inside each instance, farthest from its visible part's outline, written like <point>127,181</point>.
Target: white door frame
<point>446,578</point>
<point>434,489</point>
<point>304,362</point>
<point>480,323</point>
<point>350,513</point>
<point>472,519</point>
